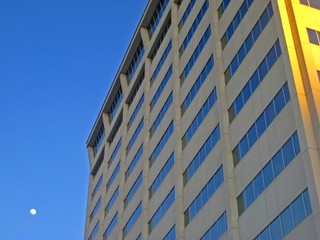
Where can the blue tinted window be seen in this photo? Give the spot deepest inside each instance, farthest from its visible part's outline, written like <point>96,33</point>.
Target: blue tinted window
<point>261,124</point>
<point>256,31</point>
<point>161,62</point>
<point>249,194</point>
<point>287,221</point>
<point>194,27</point>
<point>307,202</point>
<point>258,185</point>
<point>279,102</point>
<point>263,69</point>
<point>267,174</point>
<point>278,164</point>
<point>270,114</point>
<point>202,154</point>
<point>196,54</point>
<point>275,228</point>
<point>288,153</point>
<point>298,210</point>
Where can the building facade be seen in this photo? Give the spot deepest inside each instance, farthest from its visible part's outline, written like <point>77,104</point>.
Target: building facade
<point>211,128</point>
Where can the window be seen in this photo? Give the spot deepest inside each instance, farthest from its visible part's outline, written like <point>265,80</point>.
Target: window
<point>115,151</point>
<point>314,36</point>
<point>236,20</point>
<point>165,137</point>
<point>98,164</point>
<point>160,88</point>
<point>95,209</point>
<point>222,8</point>
<point>135,61</point>
<point>136,89</point>
<point>97,187</point>
<point>135,136</point>
<point>201,115</point>
<point>197,85</point>
<point>115,104</point>
<point>132,220</point>
<point>136,111</point>
<point>158,44</point>
<point>311,3</point>
<point>273,168</point>
<point>247,45</point>
<point>134,162</point>
<point>195,54</point>
<point>113,176</point>
<point>255,80</point>
<point>205,194</point>
<point>99,140</point>
<point>111,226</point>
<point>133,190</point>
<point>112,201</point>
<point>162,210</point>
<point>217,229</point>
<point>161,62</point>
<point>115,130</point>
<point>261,124</point>
<point>318,72</point>
<point>288,219</point>
<point>94,231</point>
<point>186,13</point>
<point>171,235</point>
<point>161,115</point>
<point>202,154</point>
<point>161,176</point>
<point>194,27</point>
<point>157,14</point>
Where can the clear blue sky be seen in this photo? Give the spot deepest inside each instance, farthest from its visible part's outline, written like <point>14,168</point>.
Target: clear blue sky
<point>57,61</point>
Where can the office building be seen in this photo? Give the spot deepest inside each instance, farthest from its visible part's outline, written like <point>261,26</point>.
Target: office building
<point>211,128</point>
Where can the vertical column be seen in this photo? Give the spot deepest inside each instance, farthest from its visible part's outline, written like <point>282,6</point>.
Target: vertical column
<point>145,184</point>
<point>177,126</point>
<point>226,151</point>
<point>124,85</point>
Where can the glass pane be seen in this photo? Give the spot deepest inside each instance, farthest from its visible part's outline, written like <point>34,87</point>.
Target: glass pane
<point>296,144</point>
<point>265,235</point>
<point>264,19</point>
<point>241,204</point>
<point>287,221</point>
<point>254,81</point>
<point>279,102</point>
<point>244,146</point>
<point>246,92</point>
<point>261,125</point>
<point>278,164</point>
<point>214,232</point>
<point>256,31</point>
<point>258,185</point>
<point>267,174</point>
<point>271,57</point>
<point>288,153</point>
<point>315,4</point>
<point>307,202</point>
<point>252,136</point>
<point>263,69</point>
<point>270,114</point>
<point>298,210</point>
<point>248,43</point>
<point>241,53</point>
<point>239,103</point>
<point>222,226</point>
<point>249,193</point>
<point>313,36</point>
<point>276,229</point>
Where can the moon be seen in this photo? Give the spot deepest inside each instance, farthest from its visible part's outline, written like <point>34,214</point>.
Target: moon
<point>33,211</point>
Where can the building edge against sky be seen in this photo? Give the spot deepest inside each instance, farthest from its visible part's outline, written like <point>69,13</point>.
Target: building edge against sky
<point>211,128</point>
